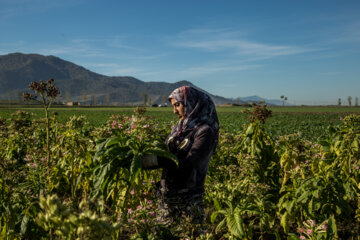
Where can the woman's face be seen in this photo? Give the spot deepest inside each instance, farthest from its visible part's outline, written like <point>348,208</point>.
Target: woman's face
<point>178,108</point>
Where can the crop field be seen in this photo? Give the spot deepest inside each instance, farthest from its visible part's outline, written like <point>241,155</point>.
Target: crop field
<point>76,174</point>
<point>312,122</point>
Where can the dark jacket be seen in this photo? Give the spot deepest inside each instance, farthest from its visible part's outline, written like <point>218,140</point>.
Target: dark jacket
<point>194,152</point>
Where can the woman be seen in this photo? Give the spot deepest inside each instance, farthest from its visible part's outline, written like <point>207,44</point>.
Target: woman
<point>193,140</point>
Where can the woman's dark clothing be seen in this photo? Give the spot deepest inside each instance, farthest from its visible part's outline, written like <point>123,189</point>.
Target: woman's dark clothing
<point>193,140</point>
<point>194,152</point>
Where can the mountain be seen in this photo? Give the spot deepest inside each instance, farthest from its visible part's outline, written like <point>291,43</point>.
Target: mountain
<point>270,102</point>
<point>76,83</point>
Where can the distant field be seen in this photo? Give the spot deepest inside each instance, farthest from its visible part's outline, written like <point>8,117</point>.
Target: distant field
<point>311,121</point>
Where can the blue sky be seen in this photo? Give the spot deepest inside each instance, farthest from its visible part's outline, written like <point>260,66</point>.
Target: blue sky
<point>308,51</point>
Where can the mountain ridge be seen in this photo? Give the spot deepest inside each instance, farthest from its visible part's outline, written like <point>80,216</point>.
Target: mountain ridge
<point>77,83</point>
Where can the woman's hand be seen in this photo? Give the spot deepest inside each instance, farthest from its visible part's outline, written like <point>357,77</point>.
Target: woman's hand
<point>149,161</point>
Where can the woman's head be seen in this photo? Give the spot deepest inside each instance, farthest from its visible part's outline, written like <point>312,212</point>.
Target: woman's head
<point>193,107</point>
<point>178,108</point>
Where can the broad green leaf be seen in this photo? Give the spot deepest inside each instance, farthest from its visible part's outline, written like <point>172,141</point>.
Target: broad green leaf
<point>332,227</point>
<point>234,223</point>
<point>284,222</point>
<point>112,141</point>
<point>24,224</point>
<point>136,163</point>
<point>162,153</point>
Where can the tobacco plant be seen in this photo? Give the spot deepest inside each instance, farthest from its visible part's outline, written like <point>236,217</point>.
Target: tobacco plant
<point>259,185</point>
<point>48,93</point>
<point>119,156</point>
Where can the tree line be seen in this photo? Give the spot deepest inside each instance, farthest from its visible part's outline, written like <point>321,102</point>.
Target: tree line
<point>349,100</point>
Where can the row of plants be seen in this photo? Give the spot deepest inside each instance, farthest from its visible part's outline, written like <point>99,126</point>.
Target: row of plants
<point>76,181</point>
<point>310,124</point>
<point>287,187</point>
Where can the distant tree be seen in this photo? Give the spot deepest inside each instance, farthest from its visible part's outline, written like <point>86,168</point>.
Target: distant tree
<point>145,98</point>
<point>83,96</point>
<point>238,100</point>
<point>10,95</point>
<point>339,102</point>
<point>107,99</point>
<point>284,99</point>
<point>356,101</point>
<point>19,96</point>
<point>163,99</point>
<point>349,100</point>
<point>95,100</point>
<point>67,97</point>
<point>149,101</point>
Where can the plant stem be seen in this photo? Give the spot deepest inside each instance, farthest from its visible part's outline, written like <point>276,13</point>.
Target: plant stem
<point>46,106</point>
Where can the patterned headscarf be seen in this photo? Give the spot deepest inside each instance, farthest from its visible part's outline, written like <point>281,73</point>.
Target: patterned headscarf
<point>199,109</point>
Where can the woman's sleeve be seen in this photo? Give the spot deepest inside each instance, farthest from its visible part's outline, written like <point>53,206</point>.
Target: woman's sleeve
<point>201,149</point>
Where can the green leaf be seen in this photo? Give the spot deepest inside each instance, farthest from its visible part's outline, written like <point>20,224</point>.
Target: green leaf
<point>3,234</point>
<point>136,163</point>
<point>213,216</point>
<point>78,179</point>
<point>102,175</point>
<point>234,222</point>
<point>303,198</point>
<point>135,168</point>
<point>162,153</point>
<point>332,228</point>
<point>284,222</point>
<point>220,225</point>
<point>316,193</point>
<point>217,204</point>
<point>100,144</point>
<point>338,210</point>
<point>250,129</point>
<point>355,145</point>
<point>24,224</point>
<point>112,141</point>
<point>326,208</point>
<point>310,206</point>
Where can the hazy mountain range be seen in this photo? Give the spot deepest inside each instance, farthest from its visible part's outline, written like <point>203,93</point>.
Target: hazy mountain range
<point>268,101</point>
<point>76,83</point>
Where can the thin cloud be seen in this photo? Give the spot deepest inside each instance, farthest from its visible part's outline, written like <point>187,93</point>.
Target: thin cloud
<point>111,45</point>
<point>113,69</point>
<point>75,51</point>
<point>211,69</point>
<point>129,71</point>
<point>217,40</point>
<point>351,33</point>
<point>113,42</point>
